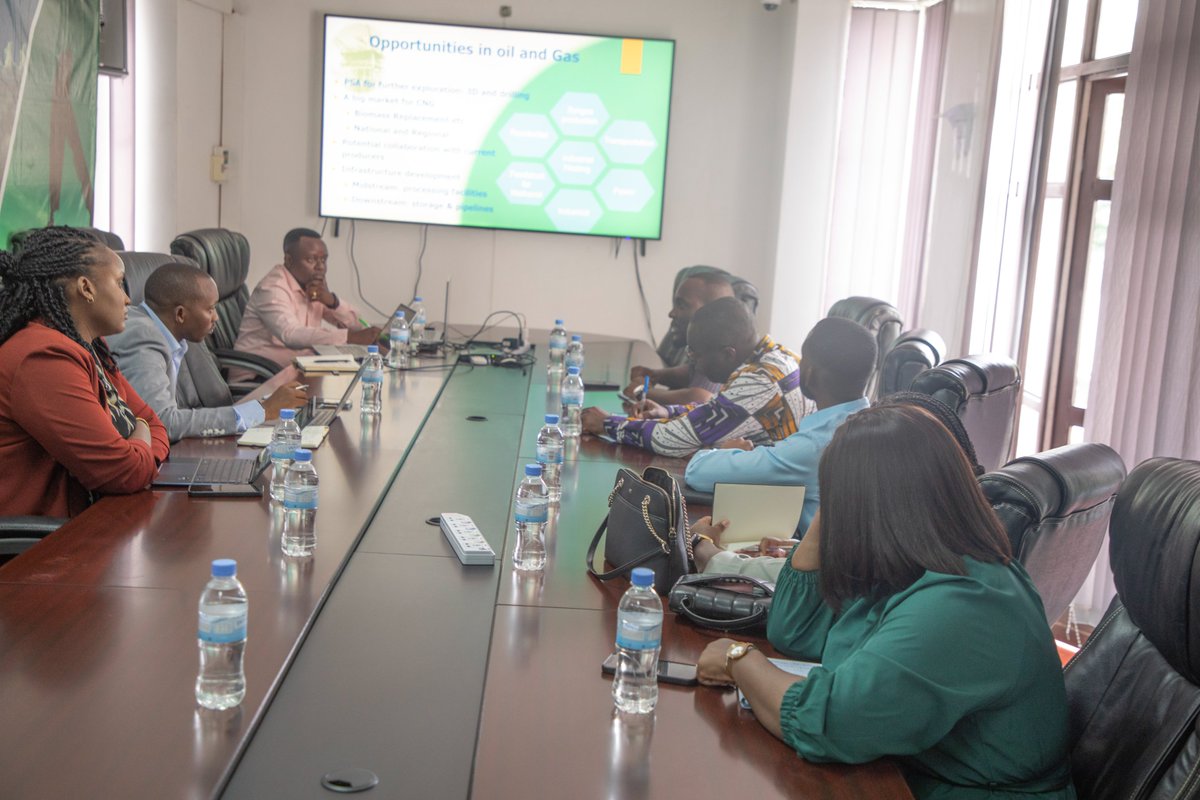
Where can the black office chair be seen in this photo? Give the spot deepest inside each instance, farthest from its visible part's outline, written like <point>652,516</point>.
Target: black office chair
<point>984,390</point>
<point>673,345</point>
<point>139,266</point>
<point>1055,507</point>
<point>111,240</point>
<point>1133,689</point>
<point>881,319</point>
<point>225,255</point>
<point>913,352</point>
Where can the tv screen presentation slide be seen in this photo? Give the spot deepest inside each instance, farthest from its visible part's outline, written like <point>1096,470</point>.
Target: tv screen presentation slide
<point>492,128</point>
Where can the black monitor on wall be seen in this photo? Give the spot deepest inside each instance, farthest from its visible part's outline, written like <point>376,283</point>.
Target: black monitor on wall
<point>494,128</point>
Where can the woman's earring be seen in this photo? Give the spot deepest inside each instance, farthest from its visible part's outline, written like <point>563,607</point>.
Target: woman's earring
<point>91,300</point>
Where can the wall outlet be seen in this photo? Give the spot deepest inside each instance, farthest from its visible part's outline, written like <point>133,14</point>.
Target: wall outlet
<point>218,164</point>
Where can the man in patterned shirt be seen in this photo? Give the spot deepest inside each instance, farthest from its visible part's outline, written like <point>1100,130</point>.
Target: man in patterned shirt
<point>759,399</point>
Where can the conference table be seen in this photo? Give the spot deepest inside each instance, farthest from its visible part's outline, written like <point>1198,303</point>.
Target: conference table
<point>380,652</point>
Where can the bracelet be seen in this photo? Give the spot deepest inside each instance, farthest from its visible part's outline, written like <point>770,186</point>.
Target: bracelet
<point>143,421</point>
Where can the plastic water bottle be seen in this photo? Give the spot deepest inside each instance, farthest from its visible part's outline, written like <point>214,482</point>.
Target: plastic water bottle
<point>300,506</point>
<point>550,456</point>
<point>222,638</point>
<point>418,324</point>
<point>572,402</point>
<point>574,354</point>
<point>398,338</point>
<point>372,382</point>
<point>639,636</point>
<point>558,345</point>
<point>532,510</point>
<point>284,441</point>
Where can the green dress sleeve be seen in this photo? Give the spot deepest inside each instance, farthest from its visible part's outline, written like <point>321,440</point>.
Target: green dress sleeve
<point>800,620</point>
<point>900,674</point>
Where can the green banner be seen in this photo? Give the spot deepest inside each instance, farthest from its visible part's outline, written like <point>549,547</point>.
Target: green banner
<point>48,60</point>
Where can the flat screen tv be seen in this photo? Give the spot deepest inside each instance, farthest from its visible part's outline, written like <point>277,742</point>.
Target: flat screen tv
<point>494,128</point>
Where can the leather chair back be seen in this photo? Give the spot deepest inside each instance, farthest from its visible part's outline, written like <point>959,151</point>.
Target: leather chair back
<point>880,318</point>
<point>111,240</point>
<point>139,266</point>
<point>914,352</point>
<point>1056,507</point>
<point>1133,689</point>
<point>225,255</point>
<point>984,390</point>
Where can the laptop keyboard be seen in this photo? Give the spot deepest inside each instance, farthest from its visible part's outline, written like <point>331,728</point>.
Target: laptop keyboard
<point>224,470</point>
<point>321,417</point>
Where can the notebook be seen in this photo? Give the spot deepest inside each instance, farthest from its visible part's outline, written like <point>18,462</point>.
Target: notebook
<point>313,364</point>
<point>799,668</point>
<point>314,419</point>
<point>755,511</point>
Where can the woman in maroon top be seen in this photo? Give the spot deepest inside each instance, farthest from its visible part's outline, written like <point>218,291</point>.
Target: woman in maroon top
<point>71,428</point>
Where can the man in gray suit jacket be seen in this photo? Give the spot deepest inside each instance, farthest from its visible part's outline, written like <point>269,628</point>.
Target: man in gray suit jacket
<point>161,353</point>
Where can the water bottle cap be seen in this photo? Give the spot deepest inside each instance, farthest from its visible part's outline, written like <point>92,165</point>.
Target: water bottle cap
<point>575,337</point>
<point>400,314</point>
<point>302,455</point>
<point>224,568</point>
<point>558,322</point>
<point>532,470</point>
<point>418,300</point>
<point>642,576</point>
<point>287,413</point>
<point>572,370</point>
<point>552,419</point>
<point>372,349</point>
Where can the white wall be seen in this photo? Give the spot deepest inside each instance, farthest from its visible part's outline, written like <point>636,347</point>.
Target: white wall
<point>728,118</point>
<point>198,45</point>
<point>154,146</point>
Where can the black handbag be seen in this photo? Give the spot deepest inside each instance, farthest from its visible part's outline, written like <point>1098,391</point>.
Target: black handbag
<point>724,602</point>
<point>647,527</point>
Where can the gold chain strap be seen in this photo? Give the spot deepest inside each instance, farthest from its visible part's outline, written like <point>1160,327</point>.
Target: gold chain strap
<point>687,529</point>
<point>617,488</point>
<point>664,544</point>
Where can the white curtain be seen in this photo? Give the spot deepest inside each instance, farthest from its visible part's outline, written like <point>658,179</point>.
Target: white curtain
<point>875,136</point>
<point>1145,395</point>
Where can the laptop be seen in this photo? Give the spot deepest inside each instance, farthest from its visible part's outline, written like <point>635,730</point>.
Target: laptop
<point>189,471</point>
<point>359,351</point>
<point>321,412</point>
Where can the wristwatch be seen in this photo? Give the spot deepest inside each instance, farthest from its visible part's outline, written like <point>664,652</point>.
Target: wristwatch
<point>696,537</point>
<point>736,651</point>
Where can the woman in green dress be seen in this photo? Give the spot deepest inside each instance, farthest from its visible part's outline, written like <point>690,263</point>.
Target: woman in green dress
<point>932,640</point>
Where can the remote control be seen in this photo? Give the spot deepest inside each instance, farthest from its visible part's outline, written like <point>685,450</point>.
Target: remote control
<point>468,543</point>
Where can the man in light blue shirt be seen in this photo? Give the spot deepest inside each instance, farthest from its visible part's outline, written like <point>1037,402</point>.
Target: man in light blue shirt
<point>836,362</point>
<point>161,353</point>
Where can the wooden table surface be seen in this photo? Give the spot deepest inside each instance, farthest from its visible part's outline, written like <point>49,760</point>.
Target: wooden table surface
<point>380,651</point>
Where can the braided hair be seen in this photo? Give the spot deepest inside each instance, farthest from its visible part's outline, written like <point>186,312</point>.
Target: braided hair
<point>945,415</point>
<point>33,280</point>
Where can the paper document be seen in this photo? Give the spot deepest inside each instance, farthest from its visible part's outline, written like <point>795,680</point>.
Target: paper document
<point>310,364</point>
<point>755,511</point>
<point>800,668</point>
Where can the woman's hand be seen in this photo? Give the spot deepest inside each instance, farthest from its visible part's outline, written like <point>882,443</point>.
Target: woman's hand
<point>710,669</point>
<point>141,431</point>
<point>706,527</point>
<point>771,547</point>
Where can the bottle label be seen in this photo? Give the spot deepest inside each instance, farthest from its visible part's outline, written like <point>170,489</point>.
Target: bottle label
<point>299,498</point>
<point>532,512</point>
<point>372,376</point>
<point>558,342</point>
<point>222,629</point>
<point>281,452</point>
<point>572,398</point>
<point>400,336</point>
<point>549,455</point>
<point>639,631</point>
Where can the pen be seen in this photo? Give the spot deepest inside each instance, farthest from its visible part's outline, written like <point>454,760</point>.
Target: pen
<point>363,322</point>
<point>646,387</point>
<point>339,360</point>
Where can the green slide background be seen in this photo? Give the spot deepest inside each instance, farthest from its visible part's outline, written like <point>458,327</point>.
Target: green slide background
<point>643,97</point>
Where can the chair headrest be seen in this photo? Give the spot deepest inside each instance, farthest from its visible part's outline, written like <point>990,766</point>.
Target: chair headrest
<point>1154,548</point>
<point>223,254</point>
<point>970,375</point>
<point>111,240</point>
<point>1058,482</point>
<point>923,338</point>
<point>139,266</point>
<point>872,314</point>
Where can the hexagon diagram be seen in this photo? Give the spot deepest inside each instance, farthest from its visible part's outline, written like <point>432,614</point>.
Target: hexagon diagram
<point>525,183</point>
<point>574,210</point>
<point>625,190</point>
<point>577,163</point>
<point>528,135</point>
<point>628,142</point>
<point>579,114</point>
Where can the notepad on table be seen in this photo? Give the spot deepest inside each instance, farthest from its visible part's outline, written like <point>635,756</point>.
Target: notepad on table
<point>260,436</point>
<point>797,668</point>
<point>311,364</point>
<point>755,511</point>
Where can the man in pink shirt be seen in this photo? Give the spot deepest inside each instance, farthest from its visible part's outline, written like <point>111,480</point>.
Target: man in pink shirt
<point>284,315</point>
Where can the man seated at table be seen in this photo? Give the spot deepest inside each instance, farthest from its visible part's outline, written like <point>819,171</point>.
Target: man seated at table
<point>677,382</point>
<point>162,355</point>
<point>836,362</point>
<point>283,318</point>
<point>759,399</point>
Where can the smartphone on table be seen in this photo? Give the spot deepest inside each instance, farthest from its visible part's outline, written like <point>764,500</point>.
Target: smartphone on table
<point>668,671</point>
<point>223,490</point>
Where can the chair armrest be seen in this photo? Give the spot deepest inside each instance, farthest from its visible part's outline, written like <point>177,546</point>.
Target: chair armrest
<point>262,367</point>
<point>18,534</point>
